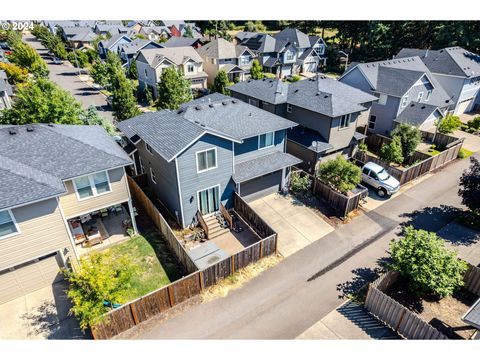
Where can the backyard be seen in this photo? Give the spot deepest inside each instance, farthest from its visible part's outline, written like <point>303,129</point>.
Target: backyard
<point>157,265</point>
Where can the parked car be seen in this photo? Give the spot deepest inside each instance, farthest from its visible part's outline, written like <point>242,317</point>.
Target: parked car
<point>57,61</point>
<point>377,177</point>
<point>5,46</point>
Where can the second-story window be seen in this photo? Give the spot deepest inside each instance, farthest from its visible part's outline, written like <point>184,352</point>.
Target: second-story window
<point>290,55</point>
<point>420,96</point>
<point>345,121</point>
<point>404,101</point>
<point>92,185</point>
<point>8,225</point>
<point>266,140</point>
<point>289,108</point>
<point>152,176</point>
<point>190,68</point>
<point>149,149</point>
<point>146,73</point>
<point>206,160</point>
<point>429,93</point>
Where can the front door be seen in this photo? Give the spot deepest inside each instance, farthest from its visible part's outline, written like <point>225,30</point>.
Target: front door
<point>209,200</point>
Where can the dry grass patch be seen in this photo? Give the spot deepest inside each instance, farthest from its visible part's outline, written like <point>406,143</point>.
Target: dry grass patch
<point>239,278</point>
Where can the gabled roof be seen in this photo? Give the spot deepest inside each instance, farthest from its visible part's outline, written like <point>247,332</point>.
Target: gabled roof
<point>395,77</point>
<point>309,138</point>
<point>242,35</point>
<point>136,45</point>
<point>107,44</point>
<point>323,95</point>
<point>327,96</point>
<point>262,43</point>
<point>273,91</point>
<point>176,55</point>
<point>171,132</point>
<point>417,113</point>
<point>218,49</point>
<point>34,164</point>
<point>295,37</point>
<point>176,41</point>
<point>450,61</point>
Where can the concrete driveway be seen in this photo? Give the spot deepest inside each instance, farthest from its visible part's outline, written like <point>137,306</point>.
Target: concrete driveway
<point>297,225</point>
<point>42,314</point>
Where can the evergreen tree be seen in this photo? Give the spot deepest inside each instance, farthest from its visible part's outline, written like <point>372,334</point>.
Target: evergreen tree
<point>256,71</point>
<point>124,103</point>
<point>92,117</point>
<point>409,136</point>
<point>25,56</point>
<point>132,71</point>
<point>470,186</point>
<point>221,82</point>
<point>173,89</point>
<point>148,95</point>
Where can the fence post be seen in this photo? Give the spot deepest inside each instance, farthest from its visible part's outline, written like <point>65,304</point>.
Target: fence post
<point>202,285</point>
<point>261,249</point>
<point>170,296</point>
<point>134,315</point>
<point>404,311</point>
<point>233,264</point>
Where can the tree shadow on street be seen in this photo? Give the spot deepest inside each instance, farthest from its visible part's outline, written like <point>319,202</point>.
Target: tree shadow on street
<point>431,218</point>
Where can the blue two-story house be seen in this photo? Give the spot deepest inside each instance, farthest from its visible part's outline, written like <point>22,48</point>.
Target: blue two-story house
<point>198,156</point>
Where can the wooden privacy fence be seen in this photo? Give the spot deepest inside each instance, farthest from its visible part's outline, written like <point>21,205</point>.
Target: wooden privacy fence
<point>427,165</point>
<point>251,217</point>
<point>398,317</point>
<point>342,204</point>
<point>161,300</point>
<point>149,207</point>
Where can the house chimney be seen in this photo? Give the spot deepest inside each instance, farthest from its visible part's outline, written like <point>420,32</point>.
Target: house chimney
<point>426,53</point>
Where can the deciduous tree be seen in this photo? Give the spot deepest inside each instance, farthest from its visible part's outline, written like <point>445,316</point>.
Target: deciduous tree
<point>392,152</point>
<point>221,82</point>
<point>409,136</point>
<point>340,174</point>
<point>173,89</point>
<point>470,186</point>
<point>124,103</point>
<point>449,124</point>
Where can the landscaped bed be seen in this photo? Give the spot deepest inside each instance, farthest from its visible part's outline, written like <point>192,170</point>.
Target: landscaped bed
<point>445,314</point>
<point>157,265</point>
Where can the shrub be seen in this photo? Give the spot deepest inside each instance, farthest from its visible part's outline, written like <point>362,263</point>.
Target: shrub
<point>410,137</point>
<point>340,174</point>
<point>15,73</point>
<point>269,76</point>
<point>470,186</point>
<point>473,124</point>
<point>449,124</point>
<point>363,147</point>
<point>78,58</point>
<point>99,277</point>
<point>296,78</point>
<point>464,153</point>
<point>392,152</point>
<point>300,184</point>
<point>422,258</point>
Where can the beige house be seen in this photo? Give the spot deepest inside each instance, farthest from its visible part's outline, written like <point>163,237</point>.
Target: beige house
<point>151,62</point>
<point>220,54</point>
<point>63,192</point>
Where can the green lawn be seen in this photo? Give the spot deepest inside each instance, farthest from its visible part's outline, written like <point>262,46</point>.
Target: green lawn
<point>157,266</point>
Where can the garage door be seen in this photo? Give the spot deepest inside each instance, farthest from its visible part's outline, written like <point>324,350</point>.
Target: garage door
<point>309,67</point>
<point>30,276</point>
<point>464,107</point>
<point>261,186</point>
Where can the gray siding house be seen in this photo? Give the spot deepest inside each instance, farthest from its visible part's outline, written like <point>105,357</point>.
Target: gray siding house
<point>326,110</point>
<point>402,86</point>
<point>112,44</point>
<point>128,51</point>
<point>287,53</point>
<point>200,155</point>
<point>457,70</point>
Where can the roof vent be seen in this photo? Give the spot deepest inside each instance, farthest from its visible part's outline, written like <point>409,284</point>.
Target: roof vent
<point>412,105</point>
<point>30,128</point>
<point>180,111</point>
<point>325,96</point>
<point>224,102</point>
<point>264,79</point>
<point>210,105</point>
<point>317,94</point>
<point>234,101</point>
<point>271,80</point>
<point>12,131</point>
<point>198,107</point>
<point>50,124</point>
<point>295,91</point>
<point>250,114</point>
<point>423,107</point>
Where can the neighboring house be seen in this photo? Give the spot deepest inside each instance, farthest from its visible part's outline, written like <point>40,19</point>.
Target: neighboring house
<point>214,146</point>
<point>458,72</point>
<point>183,41</point>
<point>178,28</point>
<point>79,37</point>
<point>155,33</point>
<point>112,29</point>
<point>113,44</point>
<point>136,25</point>
<point>6,91</point>
<point>55,181</point>
<point>220,54</point>
<point>128,51</point>
<point>402,86</point>
<point>326,110</point>
<point>151,62</point>
<point>287,53</point>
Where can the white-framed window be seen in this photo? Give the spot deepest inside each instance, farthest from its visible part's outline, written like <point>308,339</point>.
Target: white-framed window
<point>152,176</point>
<point>92,185</point>
<point>190,68</point>
<point>429,93</point>
<point>245,60</point>
<point>146,73</point>
<point>142,167</point>
<point>266,140</point>
<point>345,121</point>
<point>290,55</point>
<point>371,121</point>
<point>382,99</point>
<point>420,96</point>
<point>149,149</point>
<point>289,108</point>
<point>213,61</point>
<point>404,101</point>
<point>253,102</point>
<point>8,225</point>
<point>206,160</point>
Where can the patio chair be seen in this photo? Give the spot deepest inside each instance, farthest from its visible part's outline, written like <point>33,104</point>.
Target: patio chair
<point>118,209</point>
<point>103,213</point>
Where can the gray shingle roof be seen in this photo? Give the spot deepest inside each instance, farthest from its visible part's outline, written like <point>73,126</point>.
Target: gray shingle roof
<point>177,41</point>
<point>396,76</point>
<point>472,316</point>
<point>177,55</point>
<point>33,164</point>
<point>168,132</point>
<point>294,36</point>
<point>263,165</point>
<point>273,91</point>
<point>416,113</point>
<point>107,44</point>
<point>451,61</point>
<point>136,45</point>
<point>218,49</point>
<point>311,139</point>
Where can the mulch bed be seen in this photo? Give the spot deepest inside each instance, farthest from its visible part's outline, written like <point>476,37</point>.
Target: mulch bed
<point>445,314</point>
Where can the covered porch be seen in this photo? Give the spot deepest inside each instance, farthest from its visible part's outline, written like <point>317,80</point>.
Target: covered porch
<point>102,228</point>
<point>234,73</point>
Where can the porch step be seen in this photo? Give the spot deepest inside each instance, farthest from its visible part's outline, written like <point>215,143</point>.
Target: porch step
<point>217,232</point>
